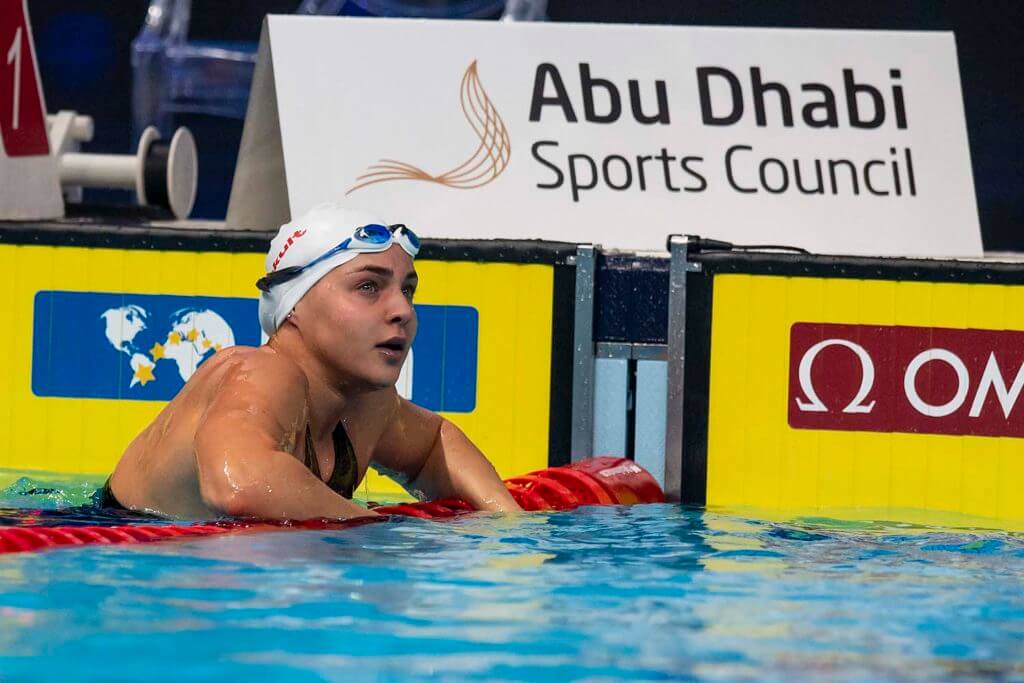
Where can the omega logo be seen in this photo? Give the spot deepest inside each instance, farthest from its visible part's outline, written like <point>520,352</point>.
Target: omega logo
<point>908,379</point>
<point>867,380</point>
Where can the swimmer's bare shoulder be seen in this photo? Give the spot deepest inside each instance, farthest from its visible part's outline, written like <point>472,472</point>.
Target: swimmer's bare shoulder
<point>160,472</point>
<point>259,359</point>
<point>255,377</point>
<point>256,380</point>
<point>256,403</point>
<point>247,439</point>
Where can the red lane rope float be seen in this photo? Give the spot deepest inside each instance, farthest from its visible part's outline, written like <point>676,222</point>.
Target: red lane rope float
<point>595,481</point>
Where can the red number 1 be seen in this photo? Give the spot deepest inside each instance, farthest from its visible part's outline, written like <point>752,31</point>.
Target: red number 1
<point>22,115</point>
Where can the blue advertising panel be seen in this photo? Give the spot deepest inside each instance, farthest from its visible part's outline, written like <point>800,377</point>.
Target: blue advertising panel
<point>145,346</point>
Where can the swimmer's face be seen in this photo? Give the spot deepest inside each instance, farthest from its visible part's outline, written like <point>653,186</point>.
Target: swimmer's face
<point>359,319</point>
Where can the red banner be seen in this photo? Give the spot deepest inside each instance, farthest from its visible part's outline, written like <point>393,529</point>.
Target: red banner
<point>22,117</point>
<point>906,379</point>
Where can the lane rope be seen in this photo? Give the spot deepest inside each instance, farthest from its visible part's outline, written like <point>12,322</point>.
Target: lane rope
<point>595,481</point>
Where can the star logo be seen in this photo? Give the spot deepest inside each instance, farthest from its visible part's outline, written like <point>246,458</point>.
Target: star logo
<point>157,352</point>
<point>144,374</point>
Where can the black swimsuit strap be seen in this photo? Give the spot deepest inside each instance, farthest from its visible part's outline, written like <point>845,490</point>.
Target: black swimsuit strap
<point>105,498</point>
<point>346,467</point>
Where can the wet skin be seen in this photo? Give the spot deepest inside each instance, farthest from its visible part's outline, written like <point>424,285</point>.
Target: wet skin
<point>232,442</point>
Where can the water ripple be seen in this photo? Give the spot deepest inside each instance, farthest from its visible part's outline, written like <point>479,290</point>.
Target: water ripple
<point>612,594</point>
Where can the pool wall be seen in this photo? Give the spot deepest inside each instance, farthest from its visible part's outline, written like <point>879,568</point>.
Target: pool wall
<point>858,383</point>
<point>797,382</point>
<point>778,382</point>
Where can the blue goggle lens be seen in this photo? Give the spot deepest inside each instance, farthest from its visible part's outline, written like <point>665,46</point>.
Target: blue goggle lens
<point>373,233</point>
<point>413,239</point>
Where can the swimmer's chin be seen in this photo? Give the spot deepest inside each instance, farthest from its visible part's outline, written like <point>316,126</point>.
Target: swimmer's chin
<point>382,383</point>
<point>383,380</point>
<point>363,381</point>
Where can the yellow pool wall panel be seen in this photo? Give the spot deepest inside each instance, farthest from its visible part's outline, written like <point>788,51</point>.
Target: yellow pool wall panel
<point>756,459</point>
<point>87,436</point>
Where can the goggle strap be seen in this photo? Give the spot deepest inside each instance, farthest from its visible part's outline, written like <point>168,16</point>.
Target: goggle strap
<point>399,233</point>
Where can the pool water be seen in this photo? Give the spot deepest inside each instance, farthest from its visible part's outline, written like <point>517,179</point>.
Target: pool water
<point>656,592</point>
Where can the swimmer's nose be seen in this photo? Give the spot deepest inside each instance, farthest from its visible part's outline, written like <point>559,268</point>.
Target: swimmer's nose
<point>401,311</point>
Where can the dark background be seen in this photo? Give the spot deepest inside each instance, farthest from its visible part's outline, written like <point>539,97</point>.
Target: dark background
<point>83,48</point>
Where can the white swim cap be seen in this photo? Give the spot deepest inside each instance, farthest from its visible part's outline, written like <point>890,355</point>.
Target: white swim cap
<point>299,242</point>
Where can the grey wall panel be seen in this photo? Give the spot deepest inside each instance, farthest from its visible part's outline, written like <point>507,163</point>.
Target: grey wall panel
<point>651,387</point>
<point>610,396</point>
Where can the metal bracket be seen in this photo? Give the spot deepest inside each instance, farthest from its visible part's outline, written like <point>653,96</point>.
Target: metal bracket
<point>633,351</point>
<point>582,444</point>
<point>679,266</point>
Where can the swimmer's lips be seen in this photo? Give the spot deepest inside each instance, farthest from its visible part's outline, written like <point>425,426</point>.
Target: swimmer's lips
<point>394,347</point>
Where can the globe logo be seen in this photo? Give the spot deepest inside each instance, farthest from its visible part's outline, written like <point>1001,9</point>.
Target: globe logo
<point>192,335</point>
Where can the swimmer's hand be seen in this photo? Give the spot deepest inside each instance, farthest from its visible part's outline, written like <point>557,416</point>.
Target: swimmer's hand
<point>437,458</point>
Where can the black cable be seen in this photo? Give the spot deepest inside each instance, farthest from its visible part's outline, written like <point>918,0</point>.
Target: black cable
<point>770,247</point>
<point>696,244</point>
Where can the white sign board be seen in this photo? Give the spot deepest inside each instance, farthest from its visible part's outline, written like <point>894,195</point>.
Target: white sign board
<point>836,141</point>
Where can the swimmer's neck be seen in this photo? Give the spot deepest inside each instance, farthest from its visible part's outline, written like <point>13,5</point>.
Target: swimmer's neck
<point>331,398</point>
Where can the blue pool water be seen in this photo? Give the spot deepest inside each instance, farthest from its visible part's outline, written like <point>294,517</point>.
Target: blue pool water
<point>655,592</point>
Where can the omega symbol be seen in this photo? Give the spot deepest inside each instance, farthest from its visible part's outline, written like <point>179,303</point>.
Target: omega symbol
<point>867,380</point>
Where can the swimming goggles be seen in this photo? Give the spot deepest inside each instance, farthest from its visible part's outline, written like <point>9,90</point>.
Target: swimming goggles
<point>369,238</point>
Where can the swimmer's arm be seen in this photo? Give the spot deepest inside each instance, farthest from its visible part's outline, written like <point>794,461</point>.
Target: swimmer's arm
<point>438,459</point>
<point>241,447</point>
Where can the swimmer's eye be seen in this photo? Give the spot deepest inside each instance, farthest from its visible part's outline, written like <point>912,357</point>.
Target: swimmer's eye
<point>369,286</point>
<point>409,292</point>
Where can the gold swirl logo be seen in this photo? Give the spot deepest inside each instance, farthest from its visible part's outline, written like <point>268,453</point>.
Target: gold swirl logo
<point>487,162</point>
